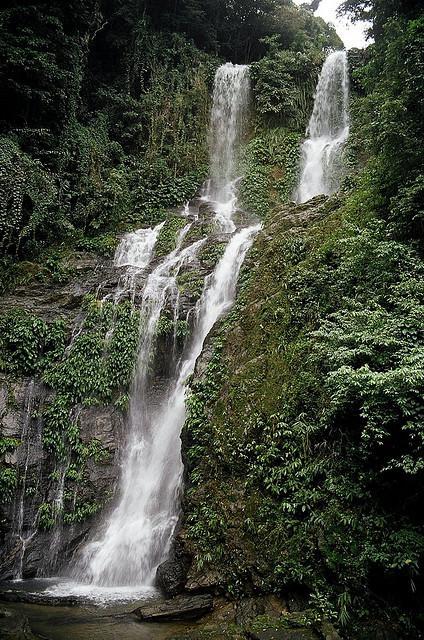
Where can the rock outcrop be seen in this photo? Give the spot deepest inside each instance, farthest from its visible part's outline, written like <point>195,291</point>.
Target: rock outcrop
<point>178,608</point>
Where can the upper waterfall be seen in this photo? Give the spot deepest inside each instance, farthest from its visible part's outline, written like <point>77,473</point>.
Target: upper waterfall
<point>328,131</point>
<point>231,98</point>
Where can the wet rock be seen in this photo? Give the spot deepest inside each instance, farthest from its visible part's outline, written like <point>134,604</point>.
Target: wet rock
<point>179,608</point>
<point>202,581</point>
<point>104,424</point>
<point>14,626</point>
<point>38,598</point>
<point>171,577</point>
<point>250,608</point>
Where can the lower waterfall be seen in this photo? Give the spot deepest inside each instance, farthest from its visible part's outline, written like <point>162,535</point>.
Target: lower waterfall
<point>139,532</point>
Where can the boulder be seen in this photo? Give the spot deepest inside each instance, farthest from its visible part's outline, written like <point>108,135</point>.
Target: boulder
<point>179,608</point>
<point>202,581</point>
<point>171,577</point>
<point>248,609</point>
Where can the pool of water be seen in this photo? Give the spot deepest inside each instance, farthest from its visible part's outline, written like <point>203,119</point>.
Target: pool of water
<point>96,614</point>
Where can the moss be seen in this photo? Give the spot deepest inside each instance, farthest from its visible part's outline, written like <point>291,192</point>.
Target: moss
<point>213,632</point>
<point>210,255</point>
<point>270,163</point>
<point>190,284</point>
<point>168,235</point>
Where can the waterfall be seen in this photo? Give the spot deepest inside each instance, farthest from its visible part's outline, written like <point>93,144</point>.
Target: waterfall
<point>230,109</point>
<point>327,132</point>
<point>137,534</point>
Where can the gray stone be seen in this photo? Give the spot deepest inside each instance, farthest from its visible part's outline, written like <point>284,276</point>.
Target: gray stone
<point>179,608</point>
<point>38,598</point>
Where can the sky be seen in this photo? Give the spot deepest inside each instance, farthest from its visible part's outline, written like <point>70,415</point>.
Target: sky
<point>353,35</point>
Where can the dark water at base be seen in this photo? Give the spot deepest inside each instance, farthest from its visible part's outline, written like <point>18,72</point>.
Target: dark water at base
<point>93,623</point>
<point>68,614</point>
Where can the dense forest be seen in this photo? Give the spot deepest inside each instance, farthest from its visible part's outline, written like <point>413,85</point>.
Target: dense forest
<point>303,444</point>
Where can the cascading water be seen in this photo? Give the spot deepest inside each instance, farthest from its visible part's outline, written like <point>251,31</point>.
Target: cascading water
<point>133,255</point>
<point>230,109</point>
<point>328,131</point>
<point>137,535</point>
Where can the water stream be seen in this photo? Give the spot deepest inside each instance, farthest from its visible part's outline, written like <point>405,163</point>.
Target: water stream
<point>328,131</point>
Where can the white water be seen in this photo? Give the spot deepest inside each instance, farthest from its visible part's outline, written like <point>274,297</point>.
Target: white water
<point>328,131</point>
<point>133,256</point>
<point>137,535</point>
<point>123,555</point>
<point>230,110</point>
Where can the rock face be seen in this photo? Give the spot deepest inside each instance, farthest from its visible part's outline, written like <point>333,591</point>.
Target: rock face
<point>54,500</point>
<point>30,546</point>
<point>30,549</point>
<point>179,608</point>
<point>171,576</point>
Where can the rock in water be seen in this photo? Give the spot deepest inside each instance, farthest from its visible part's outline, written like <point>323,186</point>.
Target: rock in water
<point>179,608</point>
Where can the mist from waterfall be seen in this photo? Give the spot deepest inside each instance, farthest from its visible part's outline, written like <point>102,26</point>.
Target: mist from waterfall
<point>328,131</point>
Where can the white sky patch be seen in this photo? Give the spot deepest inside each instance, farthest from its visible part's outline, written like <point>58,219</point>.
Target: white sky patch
<point>352,34</point>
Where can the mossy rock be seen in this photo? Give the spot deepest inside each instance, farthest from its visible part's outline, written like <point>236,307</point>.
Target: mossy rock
<point>213,632</point>
<point>295,626</point>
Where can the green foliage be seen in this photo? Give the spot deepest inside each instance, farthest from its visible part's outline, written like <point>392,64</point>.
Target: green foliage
<point>47,516</point>
<point>27,197</point>
<point>190,284</point>
<point>81,512</point>
<point>270,163</point>
<point>210,254</point>
<point>96,368</point>
<point>284,83</point>
<point>167,327</point>
<point>309,418</point>
<point>168,235</point>
<point>27,342</point>
<point>390,125</point>
<point>8,444</point>
<point>8,482</point>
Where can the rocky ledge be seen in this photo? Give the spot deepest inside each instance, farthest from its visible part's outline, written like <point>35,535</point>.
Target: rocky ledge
<point>178,608</point>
